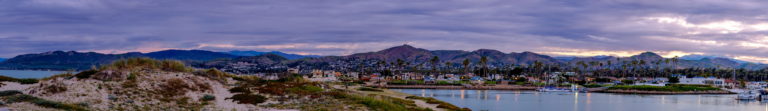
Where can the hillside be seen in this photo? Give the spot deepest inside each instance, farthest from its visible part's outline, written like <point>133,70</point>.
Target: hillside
<point>152,85</point>
<point>407,55</point>
<point>71,60</point>
<point>257,53</point>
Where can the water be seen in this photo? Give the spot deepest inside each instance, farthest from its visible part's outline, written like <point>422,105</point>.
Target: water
<point>505,100</point>
<point>28,73</point>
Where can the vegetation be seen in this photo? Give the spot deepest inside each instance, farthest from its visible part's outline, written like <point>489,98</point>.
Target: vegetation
<point>378,103</point>
<point>146,63</point>
<point>592,85</point>
<point>248,98</point>
<point>14,97</point>
<point>673,79</point>
<point>305,89</point>
<point>671,87</point>
<point>208,97</point>
<point>441,104</point>
<point>65,75</point>
<point>369,89</point>
<point>86,74</point>
<point>21,81</point>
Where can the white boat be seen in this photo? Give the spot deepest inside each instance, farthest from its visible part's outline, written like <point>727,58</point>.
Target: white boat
<point>748,95</point>
<point>573,88</point>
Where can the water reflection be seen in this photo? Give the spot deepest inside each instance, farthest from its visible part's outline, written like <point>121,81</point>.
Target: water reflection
<point>555,101</point>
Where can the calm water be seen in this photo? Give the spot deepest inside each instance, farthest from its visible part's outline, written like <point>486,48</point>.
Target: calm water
<point>501,100</point>
<point>28,73</point>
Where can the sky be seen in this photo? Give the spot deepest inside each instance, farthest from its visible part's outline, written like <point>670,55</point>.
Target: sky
<point>730,28</point>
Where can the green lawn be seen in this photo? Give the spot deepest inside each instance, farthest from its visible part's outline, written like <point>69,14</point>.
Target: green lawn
<point>672,87</point>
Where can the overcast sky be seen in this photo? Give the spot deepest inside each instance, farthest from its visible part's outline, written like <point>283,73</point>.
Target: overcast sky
<point>733,28</point>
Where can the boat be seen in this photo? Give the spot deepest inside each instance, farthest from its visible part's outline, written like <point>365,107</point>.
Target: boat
<point>763,95</point>
<point>749,95</point>
<point>573,88</point>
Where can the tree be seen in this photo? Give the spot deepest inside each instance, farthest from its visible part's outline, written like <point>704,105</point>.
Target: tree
<point>673,80</point>
<point>466,65</point>
<point>434,62</point>
<point>484,63</point>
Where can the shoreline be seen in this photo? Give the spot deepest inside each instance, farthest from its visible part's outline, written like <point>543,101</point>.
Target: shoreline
<point>496,87</point>
<point>665,92</point>
<point>533,88</point>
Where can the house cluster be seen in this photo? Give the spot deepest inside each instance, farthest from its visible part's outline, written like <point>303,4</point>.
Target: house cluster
<point>548,78</point>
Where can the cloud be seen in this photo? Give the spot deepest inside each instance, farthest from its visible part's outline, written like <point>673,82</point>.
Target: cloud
<point>339,27</point>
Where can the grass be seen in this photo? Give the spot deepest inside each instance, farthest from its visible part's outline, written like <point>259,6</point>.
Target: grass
<point>21,81</point>
<point>42,102</point>
<point>671,87</point>
<point>441,104</point>
<point>86,74</point>
<point>9,92</point>
<point>405,82</point>
<point>147,63</point>
<point>306,89</point>
<point>65,75</point>
<point>592,85</point>
<point>374,104</point>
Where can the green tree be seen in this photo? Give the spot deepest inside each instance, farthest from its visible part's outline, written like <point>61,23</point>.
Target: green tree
<point>435,60</point>
<point>484,63</point>
<point>466,65</point>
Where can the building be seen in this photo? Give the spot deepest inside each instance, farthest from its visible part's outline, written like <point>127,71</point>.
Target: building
<point>703,80</point>
<point>293,70</point>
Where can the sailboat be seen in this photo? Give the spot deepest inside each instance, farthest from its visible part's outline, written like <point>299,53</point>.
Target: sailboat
<point>748,95</point>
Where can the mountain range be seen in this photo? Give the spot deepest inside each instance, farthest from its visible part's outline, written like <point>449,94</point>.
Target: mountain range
<point>257,53</point>
<point>66,60</point>
<point>260,61</point>
<point>2,59</point>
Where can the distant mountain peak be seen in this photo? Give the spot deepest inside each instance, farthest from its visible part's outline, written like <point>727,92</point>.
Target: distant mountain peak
<point>488,51</point>
<point>400,48</point>
<point>649,54</point>
<point>257,53</point>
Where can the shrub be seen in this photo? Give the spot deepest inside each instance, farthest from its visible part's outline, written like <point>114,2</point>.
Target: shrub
<point>22,81</point>
<point>490,82</point>
<point>173,87</point>
<point>593,85</point>
<point>628,81</point>
<point>239,90</point>
<point>132,76</point>
<point>147,64</point>
<point>248,99</point>
<point>53,89</point>
<point>43,102</point>
<point>369,89</point>
<point>208,97</point>
<point>86,74</point>
<point>9,92</point>
<point>28,81</point>
<point>20,98</point>
<point>173,66</point>
<point>305,89</point>
<point>65,75</point>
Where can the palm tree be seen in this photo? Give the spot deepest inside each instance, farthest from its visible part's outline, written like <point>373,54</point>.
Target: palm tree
<point>448,66</point>
<point>484,62</point>
<point>434,61</point>
<point>466,65</point>
<point>400,63</point>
